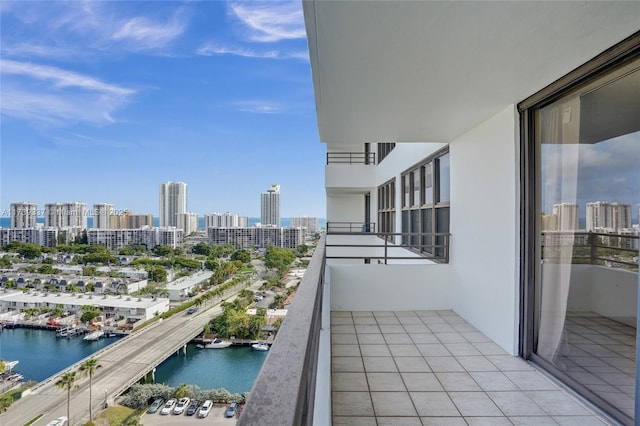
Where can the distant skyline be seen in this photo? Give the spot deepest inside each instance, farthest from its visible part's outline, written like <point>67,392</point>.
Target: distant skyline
<point>103,101</point>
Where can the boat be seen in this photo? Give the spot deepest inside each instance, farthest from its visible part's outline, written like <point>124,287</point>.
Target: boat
<point>94,335</point>
<point>215,344</point>
<point>260,346</point>
<point>8,365</point>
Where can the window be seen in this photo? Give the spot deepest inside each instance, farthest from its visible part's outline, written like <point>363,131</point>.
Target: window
<point>386,206</point>
<point>384,148</point>
<point>425,204</point>
<point>581,182</point>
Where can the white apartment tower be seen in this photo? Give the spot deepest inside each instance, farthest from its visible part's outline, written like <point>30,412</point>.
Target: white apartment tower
<point>62,215</point>
<point>225,220</point>
<point>102,213</point>
<point>567,216</point>
<point>188,222</point>
<point>310,223</point>
<point>270,206</point>
<point>24,215</point>
<point>173,201</point>
<point>605,215</point>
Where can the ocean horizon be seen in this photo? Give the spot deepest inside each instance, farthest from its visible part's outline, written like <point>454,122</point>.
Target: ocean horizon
<point>5,222</point>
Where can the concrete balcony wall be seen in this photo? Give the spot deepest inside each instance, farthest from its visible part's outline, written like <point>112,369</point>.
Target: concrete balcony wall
<point>608,292</point>
<point>345,207</point>
<point>484,225</point>
<point>349,178</point>
<point>389,287</point>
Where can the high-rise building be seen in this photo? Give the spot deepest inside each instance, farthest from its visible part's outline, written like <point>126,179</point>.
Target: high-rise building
<point>173,201</point>
<point>24,215</point>
<point>62,215</point>
<point>257,236</point>
<point>102,213</point>
<point>567,216</point>
<point>225,220</point>
<point>270,206</point>
<point>310,223</point>
<point>604,215</point>
<point>188,222</point>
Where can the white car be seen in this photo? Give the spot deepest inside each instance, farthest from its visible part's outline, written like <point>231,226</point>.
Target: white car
<point>181,405</point>
<point>60,421</point>
<point>204,410</point>
<point>168,406</point>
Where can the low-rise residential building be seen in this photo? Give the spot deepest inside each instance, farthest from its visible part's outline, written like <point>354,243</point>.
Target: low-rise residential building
<point>116,308</point>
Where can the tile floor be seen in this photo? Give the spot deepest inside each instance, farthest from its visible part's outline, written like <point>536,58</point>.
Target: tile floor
<point>600,353</point>
<point>433,368</point>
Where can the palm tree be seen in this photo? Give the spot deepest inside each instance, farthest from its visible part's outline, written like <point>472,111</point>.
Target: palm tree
<point>88,368</point>
<point>67,381</point>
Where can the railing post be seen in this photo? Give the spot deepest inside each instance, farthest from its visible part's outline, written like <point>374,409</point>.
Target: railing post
<point>386,242</point>
<point>592,244</point>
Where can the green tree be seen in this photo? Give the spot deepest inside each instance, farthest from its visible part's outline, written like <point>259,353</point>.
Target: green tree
<point>88,368</point>
<point>278,258</point>
<point>47,269</point>
<point>242,255</point>
<point>157,274</point>
<point>30,251</point>
<point>127,251</point>
<point>202,249</point>
<point>68,381</point>
<point>182,391</point>
<point>5,261</point>
<point>162,251</point>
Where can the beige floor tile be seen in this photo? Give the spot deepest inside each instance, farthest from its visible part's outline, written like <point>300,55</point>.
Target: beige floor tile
<point>375,350</point>
<point>404,350</point>
<point>379,364</point>
<point>452,382</point>
<point>488,421</point>
<point>530,380</point>
<point>443,421</point>
<point>416,328</point>
<point>370,339</point>
<point>344,328</point>
<point>578,421</point>
<point>367,328</point>
<point>533,421</point>
<point>423,338</point>
<point>341,320</point>
<point>387,320</point>
<point>557,403</point>
<point>421,382</point>
<point>354,421</point>
<point>399,421</point>
<point>346,382</point>
<point>345,350</point>
<point>474,404</point>
<point>433,349</point>
<point>409,364</point>
<point>516,404</point>
<point>347,364</point>
<point>453,337</point>
<point>385,382</point>
<point>444,364</point>
<point>436,404</point>
<point>391,328</point>
<point>397,339</point>
<point>392,404</point>
<point>357,404</point>
<point>364,320</point>
<point>489,348</point>
<point>345,339</point>
<point>476,363</point>
<point>461,349</point>
<point>493,381</point>
<point>509,363</point>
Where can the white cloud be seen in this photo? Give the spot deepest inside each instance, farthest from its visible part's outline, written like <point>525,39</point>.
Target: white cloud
<point>211,49</point>
<point>142,33</point>
<point>56,96</point>
<point>258,107</point>
<point>271,21</point>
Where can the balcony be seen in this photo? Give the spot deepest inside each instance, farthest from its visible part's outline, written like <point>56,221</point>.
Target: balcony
<point>393,363</point>
<point>352,167</point>
<point>368,158</point>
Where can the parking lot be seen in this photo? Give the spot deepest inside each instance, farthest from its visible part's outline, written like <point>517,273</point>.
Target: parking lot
<point>216,417</point>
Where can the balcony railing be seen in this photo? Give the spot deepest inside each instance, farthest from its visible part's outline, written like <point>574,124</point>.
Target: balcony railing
<point>284,391</point>
<point>351,158</point>
<point>350,227</point>
<point>383,247</point>
<point>595,248</point>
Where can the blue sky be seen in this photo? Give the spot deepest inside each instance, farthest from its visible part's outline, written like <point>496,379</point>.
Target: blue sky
<point>103,101</point>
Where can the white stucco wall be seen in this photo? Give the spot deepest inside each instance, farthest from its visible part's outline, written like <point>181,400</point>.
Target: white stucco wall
<point>484,222</point>
<point>345,208</point>
<point>389,287</point>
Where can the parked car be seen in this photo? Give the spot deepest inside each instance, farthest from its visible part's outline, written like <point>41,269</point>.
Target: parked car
<point>192,311</point>
<point>231,410</point>
<point>60,421</point>
<point>204,410</point>
<point>155,405</point>
<point>168,406</point>
<point>181,405</point>
<point>193,407</point>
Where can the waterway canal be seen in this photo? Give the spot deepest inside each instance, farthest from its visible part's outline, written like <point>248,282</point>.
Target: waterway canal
<point>42,355</point>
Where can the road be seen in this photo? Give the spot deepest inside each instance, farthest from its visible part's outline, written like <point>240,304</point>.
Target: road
<point>123,363</point>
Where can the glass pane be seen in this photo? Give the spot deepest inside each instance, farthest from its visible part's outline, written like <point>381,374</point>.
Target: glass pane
<point>405,227</point>
<point>442,226</point>
<point>415,228</point>
<point>406,191</point>
<point>427,230</point>
<point>416,187</point>
<point>589,144</point>
<point>428,183</point>
<point>443,178</point>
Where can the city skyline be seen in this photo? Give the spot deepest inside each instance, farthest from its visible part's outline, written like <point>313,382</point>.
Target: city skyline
<point>102,110</point>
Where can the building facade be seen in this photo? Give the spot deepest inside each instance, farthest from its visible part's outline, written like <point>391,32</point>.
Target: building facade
<point>62,215</point>
<point>115,239</point>
<point>270,206</point>
<point>24,215</point>
<point>173,201</point>
<point>102,214</point>
<point>309,223</point>
<point>188,222</point>
<point>225,220</point>
<point>255,236</point>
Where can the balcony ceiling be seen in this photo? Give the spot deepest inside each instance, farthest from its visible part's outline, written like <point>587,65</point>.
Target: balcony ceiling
<point>428,71</point>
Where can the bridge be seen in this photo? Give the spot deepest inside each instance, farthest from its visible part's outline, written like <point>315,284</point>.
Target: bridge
<point>123,363</point>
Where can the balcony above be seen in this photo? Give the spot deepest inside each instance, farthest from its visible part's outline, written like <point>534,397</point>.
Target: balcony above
<point>349,178</point>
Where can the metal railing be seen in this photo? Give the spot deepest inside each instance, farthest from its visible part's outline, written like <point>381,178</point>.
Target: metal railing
<point>594,248</point>
<point>284,392</point>
<point>351,227</point>
<point>351,158</point>
<point>393,246</point>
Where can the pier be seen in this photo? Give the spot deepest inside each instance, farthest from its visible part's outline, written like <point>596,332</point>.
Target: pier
<point>123,363</point>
